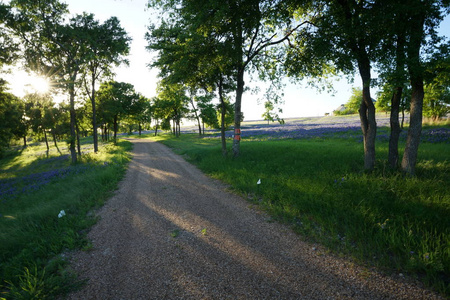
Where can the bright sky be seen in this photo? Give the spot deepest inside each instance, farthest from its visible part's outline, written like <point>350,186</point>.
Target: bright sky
<point>300,101</point>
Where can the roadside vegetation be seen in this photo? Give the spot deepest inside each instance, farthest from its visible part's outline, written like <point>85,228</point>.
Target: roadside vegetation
<point>316,184</point>
<point>46,207</point>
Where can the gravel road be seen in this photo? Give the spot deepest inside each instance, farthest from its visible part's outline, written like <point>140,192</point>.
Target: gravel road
<point>171,232</point>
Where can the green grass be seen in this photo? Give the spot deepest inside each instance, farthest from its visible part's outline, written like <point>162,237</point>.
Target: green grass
<point>33,239</point>
<point>381,219</point>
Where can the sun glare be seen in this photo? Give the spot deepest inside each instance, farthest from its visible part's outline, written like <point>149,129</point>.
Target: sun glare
<point>21,83</point>
<point>38,84</point>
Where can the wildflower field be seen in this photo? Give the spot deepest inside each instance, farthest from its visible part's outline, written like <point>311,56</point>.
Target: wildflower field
<point>311,177</point>
<point>45,205</point>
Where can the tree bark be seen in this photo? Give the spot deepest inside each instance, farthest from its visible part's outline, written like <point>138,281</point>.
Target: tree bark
<point>115,129</point>
<point>78,138</point>
<point>94,115</point>
<point>73,152</point>
<point>415,70</point>
<point>237,113</point>
<point>415,128</point>
<point>223,110</point>
<point>395,127</point>
<point>367,115</point>
<point>46,140</point>
<point>191,100</point>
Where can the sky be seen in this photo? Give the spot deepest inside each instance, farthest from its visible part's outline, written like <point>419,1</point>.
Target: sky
<point>299,99</point>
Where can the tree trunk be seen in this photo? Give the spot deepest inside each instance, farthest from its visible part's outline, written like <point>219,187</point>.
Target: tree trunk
<point>395,128</point>
<point>194,109</point>
<point>415,128</point>
<point>73,153</point>
<point>46,140</point>
<point>415,70</point>
<point>156,128</point>
<point>237,113</point>
<point>140,129</point>
<point>367,116</point>
<point>223,110</point>
<point>396,99</point>
<point>115,129</point>
<point>54,139</point>
<point>94,115</point>
<point>24,141</point>
<point>78,139</point>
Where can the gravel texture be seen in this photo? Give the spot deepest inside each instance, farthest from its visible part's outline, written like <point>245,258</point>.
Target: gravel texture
<point>170,232</point>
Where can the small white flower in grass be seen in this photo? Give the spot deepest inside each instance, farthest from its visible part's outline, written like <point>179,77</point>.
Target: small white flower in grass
<point>61,214</point>
<point>259,181</point>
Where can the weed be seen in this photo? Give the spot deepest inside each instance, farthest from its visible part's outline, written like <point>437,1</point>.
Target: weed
<point>175,233</point>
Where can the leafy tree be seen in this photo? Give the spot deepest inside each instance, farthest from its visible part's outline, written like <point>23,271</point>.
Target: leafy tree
<point>108,44</point>
<point>52,44</point>
<point>437,87</point>
<point>423,17</point>
<point>42,115</point>
<point>9,47</point>
<point>11,118</point>
<point>246,28</point>
<point>207,109</point>
<point>175,106</point>
<point>140,112</point>
<point>344,37</point>
<point>115,102</point>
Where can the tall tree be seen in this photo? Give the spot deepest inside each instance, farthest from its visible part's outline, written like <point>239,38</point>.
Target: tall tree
<point>422,20</point>
<point>108,46</point>
<point>344,38</point>
<point>246,27</point>
<point>11,118</point>
<point>53,46</point>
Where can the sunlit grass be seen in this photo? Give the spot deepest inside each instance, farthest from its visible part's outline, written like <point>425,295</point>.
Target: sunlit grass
<point>319,187</point>
<point>32,236</point>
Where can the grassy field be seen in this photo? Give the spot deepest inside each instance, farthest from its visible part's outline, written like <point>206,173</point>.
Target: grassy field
<point>35,186</point>
<point>317,185</point>
<point>311,178</point>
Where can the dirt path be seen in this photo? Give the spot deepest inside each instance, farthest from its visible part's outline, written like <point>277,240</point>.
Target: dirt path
<point>170,232</point>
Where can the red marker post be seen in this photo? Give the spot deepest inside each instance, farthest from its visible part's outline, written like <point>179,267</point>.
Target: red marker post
<point>237,134</point>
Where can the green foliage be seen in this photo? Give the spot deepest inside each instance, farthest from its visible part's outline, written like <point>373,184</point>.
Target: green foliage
<point>11,119</point>
<point>32,236</point>
<point>382,218</point>
<point>353,103</point>
<point>437,89</point>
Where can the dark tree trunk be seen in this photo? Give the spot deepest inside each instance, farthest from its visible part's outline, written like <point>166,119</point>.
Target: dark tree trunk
<point>78,139</point>
<point>415,70</point>
<point>395,128</point>
<point>367,115</point>
<point>73,152</point>
<point>94,115</point>
<point>140,129</point>
<point>223,110</point>
<point>115,128</point>
<point>415,128</point>
<point>237,113</point>
<point>24,141</point>
<point>156,128</point>
<point>54,139</point>
<point>46,140</point>
<point>396,100</point>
